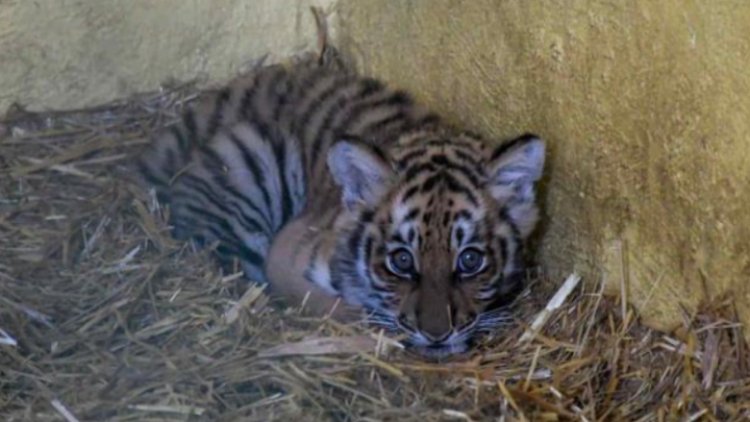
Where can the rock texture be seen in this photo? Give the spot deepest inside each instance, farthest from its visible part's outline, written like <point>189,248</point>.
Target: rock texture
<point>69,54</point>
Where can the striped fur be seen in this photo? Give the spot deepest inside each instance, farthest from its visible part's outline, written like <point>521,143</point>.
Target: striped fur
<point>375,174</point>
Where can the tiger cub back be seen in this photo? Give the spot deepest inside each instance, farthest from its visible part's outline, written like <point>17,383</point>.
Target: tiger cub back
<point>420,225</point>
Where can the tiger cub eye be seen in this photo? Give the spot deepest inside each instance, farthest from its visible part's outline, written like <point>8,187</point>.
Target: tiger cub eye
<point>401,262</point>
<point>470,261</point>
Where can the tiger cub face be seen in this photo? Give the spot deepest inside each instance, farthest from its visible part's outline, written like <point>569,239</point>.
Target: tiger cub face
<point>432,231</point>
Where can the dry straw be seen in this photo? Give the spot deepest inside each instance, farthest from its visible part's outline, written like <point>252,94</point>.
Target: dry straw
<point>104,317</point>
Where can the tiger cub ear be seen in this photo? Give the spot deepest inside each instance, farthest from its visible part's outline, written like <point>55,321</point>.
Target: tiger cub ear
<point>513,169</point>
<point>362,171</point>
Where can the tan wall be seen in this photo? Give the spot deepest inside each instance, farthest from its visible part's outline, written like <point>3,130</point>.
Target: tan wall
<point>63,54</point>
<point>646,109</point>
<point>644,103</point>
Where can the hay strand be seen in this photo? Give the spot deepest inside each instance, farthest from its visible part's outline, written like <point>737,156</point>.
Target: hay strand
<point>557,300</point>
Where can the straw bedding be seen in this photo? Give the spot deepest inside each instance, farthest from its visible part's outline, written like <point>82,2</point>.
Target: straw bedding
<point>104,317</point>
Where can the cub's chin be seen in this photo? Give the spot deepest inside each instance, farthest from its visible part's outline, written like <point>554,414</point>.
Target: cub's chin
<point>440,352</point>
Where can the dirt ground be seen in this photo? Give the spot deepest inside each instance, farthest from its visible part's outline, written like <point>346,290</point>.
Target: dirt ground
<point>104,317</point>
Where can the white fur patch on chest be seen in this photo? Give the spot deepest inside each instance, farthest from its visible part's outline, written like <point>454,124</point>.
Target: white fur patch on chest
<point>319,272</point>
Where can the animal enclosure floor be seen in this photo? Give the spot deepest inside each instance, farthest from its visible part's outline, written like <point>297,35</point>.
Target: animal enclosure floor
<point>104,317</point>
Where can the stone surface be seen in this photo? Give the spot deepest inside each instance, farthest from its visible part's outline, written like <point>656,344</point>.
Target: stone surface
<point>646,111</point>
<point>62,54</point>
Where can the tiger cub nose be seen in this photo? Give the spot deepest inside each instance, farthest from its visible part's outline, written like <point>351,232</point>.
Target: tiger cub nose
<point>436,336</point>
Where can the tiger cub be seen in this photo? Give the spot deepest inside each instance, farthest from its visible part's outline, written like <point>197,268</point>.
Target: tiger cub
<point>326,183</point>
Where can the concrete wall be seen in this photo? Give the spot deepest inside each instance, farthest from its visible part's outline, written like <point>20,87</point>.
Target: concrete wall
<point>646,109</point>
<point>644,103</point>
<point>61,54</point>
